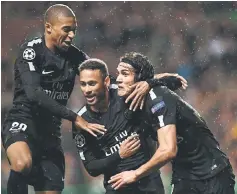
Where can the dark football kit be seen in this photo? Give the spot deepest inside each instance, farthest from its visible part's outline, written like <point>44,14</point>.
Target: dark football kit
<point>200,166</point>
<point>43,84</point>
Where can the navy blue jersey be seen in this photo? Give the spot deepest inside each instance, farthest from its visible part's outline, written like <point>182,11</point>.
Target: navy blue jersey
<point>199,155</point>
<point>44,81</point>
<point>100,155</point>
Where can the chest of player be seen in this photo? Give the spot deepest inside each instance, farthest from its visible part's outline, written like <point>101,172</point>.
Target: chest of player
<point>118,129</point>
<point>57,78</point>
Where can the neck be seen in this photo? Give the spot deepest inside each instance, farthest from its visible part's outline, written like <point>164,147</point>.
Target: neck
<point>49,44</point>
<point>103,105</point>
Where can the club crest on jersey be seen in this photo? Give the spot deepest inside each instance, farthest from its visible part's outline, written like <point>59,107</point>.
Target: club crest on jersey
<point>29,54</point>
<point>157,106</point>
<point>80,140</point>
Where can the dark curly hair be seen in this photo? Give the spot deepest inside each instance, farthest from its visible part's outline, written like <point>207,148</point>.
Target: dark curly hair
<point>143,68</point>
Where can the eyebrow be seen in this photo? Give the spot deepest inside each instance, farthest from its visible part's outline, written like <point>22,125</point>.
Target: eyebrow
<point>70,27</point>
<point>127,69</point>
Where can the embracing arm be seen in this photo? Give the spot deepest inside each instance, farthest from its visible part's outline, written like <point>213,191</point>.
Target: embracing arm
<point>96,167</point>
<point>170,80</point>
<point>166,151</point>
<point>140,89</point>
<point>99,165</point>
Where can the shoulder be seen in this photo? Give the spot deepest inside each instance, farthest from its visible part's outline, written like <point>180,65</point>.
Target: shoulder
<point>160,95</point>
<point>156,91</point>
<point>76,54</point>
<point>160,91</point>
<point>31,49</point>
<point>33,43</point>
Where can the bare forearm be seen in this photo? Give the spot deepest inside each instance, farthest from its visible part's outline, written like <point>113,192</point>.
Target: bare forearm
<point>159,159</point>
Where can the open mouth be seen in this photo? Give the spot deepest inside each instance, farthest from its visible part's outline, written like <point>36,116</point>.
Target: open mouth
<point>68,43</point>
<point>90,99</point>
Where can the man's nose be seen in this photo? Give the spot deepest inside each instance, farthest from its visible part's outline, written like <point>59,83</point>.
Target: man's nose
<point>71,34</point>
<point>88,89</point>
<point>119,79</point>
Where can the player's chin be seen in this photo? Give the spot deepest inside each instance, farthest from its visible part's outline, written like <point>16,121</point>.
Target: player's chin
<point>64,47</point>
<point>122,92</point>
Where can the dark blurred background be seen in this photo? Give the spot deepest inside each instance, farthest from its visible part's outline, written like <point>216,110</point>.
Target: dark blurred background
<point>198,40</point>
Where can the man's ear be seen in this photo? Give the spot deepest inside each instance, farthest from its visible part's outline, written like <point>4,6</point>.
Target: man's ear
<point>48,27</point>
<point>107,81</point>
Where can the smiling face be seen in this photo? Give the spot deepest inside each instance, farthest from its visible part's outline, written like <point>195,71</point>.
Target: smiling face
<point>62,32</point>
<point>125,78</point>
<point>93,86</point>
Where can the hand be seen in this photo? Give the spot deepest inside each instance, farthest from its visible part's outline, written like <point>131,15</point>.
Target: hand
<point>129,147</point>
<point>123,178</point>
<point>140,90</point>
<point>91,128</point>
<point>181,78</point>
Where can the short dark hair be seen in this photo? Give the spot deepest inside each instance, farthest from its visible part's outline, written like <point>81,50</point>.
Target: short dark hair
<point>54,11</point>
<point>143,68</point>
<point>94,64</point>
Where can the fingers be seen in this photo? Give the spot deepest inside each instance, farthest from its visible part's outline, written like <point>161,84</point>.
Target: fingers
<point>182,79</point>
<point>139,101</point>
<point>135,146</point>
<point>134,141</point>
<point>98,126</point>
<point>130,138</point>
<point>129,141</point>
<point>118,184</point>
<point>135,102</point>
<point>184,85</point>
<point>142,103</point>
<point>95,128</point>
<point>115,177</point>
<point>131,96</point>
<point>91,132</point>
<point>134,136</point>
<point>133,86</point>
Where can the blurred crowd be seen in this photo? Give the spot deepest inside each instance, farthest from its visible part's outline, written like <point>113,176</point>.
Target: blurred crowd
<point>198,40</point>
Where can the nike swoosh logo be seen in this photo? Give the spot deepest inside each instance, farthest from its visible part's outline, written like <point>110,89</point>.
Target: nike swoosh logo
<point>47,72</point>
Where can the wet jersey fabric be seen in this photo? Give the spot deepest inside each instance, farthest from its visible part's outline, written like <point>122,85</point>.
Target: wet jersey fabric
<point>43,84</point>
<point>100,154</point>
<point>199,155</point>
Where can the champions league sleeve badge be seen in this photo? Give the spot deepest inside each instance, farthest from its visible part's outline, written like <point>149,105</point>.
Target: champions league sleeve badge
<point>29,54</point>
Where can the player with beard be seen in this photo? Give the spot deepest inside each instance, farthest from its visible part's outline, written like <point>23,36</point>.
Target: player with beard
<point>199,166</point>
<point>103,154</point>
<point>45,71</point>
